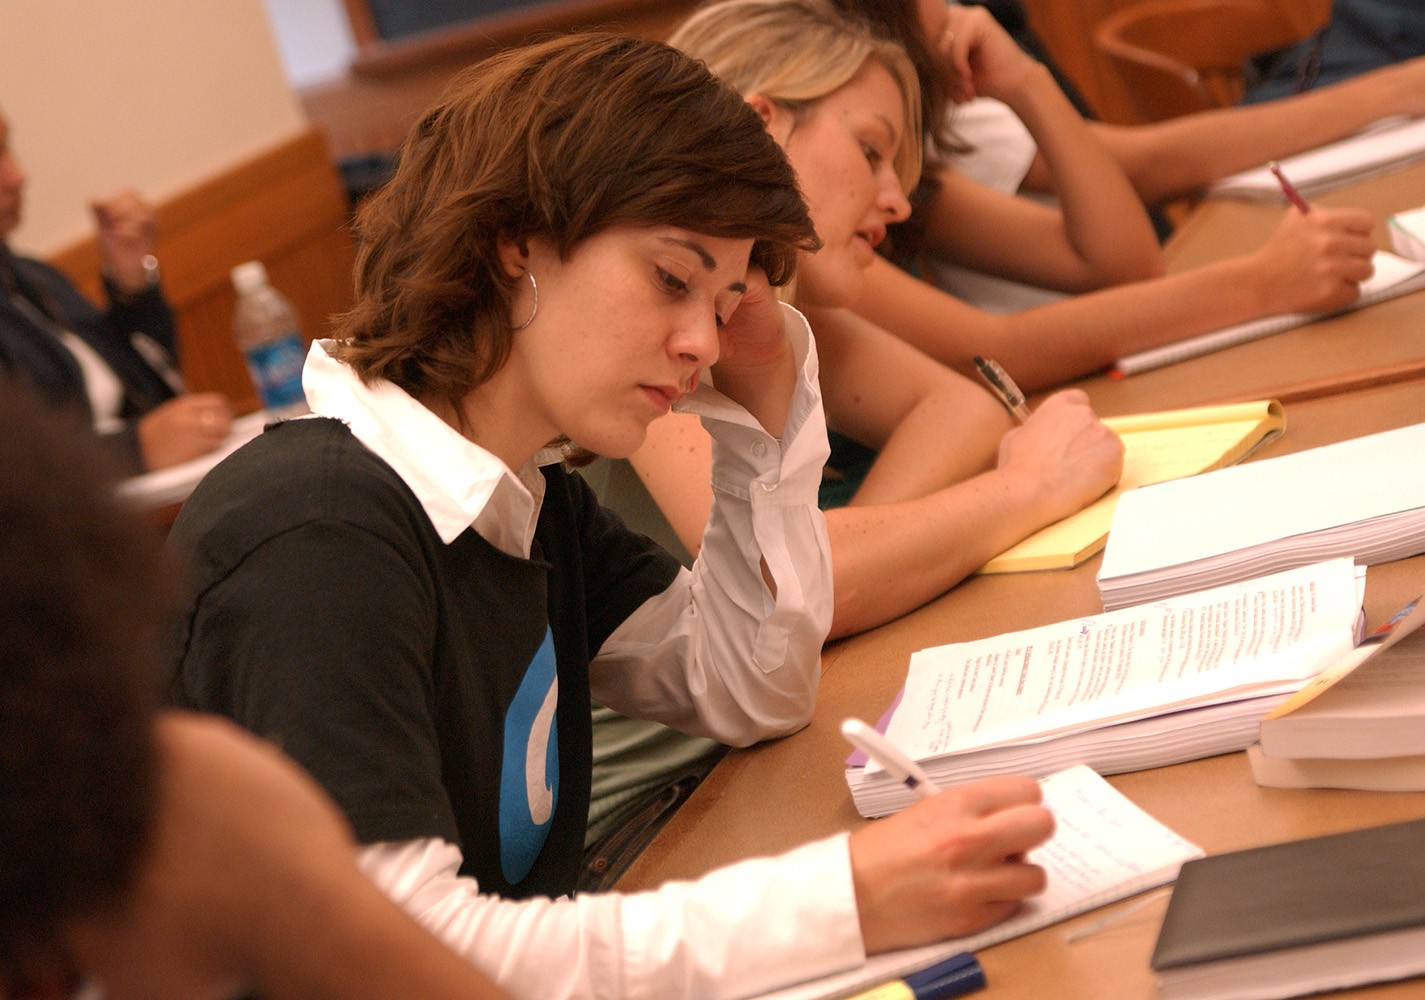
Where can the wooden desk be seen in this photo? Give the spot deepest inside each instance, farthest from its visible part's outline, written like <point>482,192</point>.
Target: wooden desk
<point>1388,335</point>
<point>772,797</point>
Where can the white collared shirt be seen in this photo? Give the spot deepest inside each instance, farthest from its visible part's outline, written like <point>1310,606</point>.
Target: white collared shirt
<point>716,654</point>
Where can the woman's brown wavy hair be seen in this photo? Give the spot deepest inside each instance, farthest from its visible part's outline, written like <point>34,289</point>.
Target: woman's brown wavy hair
<point>559,140</point>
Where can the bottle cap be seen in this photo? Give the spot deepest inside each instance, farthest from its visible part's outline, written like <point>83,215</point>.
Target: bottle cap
<point>249,277</point>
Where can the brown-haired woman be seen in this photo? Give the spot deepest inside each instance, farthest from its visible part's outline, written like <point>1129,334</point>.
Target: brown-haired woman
<point>414,597</point>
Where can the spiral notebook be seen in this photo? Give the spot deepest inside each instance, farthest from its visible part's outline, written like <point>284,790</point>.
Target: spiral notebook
<point>1394,276</point>
<point>1384,146</point>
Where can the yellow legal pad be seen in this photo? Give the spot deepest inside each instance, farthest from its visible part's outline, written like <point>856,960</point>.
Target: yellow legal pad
<point>1157,447</point>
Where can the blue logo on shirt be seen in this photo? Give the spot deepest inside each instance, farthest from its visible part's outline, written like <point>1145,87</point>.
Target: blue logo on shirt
<point>529,769</point>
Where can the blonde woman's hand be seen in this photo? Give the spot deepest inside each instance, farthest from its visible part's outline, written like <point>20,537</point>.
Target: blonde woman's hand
<point>1064,454</point>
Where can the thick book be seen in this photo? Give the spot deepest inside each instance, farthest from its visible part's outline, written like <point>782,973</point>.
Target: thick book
<point>1363,498</point>
<point>1394,276</point>
<point>1157,447</point>
<point>1388,145</point>
<point>1127,690</point>
<point>1296,918</point>
<point>1104,849</point>
<point>1365,774</point>
<point>1359,724</point>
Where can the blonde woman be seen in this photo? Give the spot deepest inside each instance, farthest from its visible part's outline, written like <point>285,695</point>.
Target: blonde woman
<point>1097,236</point>
<point>953,484</point>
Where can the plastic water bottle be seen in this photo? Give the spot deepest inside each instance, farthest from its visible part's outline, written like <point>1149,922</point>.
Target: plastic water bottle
<point>266,329</point>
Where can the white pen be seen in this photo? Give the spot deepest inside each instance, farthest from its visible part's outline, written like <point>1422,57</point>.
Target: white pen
<point>892,759</point>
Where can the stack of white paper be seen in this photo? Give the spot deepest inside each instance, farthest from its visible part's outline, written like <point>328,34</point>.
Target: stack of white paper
<point>1363,498</point>
<point>1126,690</point>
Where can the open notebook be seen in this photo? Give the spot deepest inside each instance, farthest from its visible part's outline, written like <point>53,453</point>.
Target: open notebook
<point>1157,447</point>
<point>1104,849</point>
<point>1393,276</point>
<point>1384,146</point>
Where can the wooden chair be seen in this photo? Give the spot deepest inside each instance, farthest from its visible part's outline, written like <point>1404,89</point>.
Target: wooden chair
<point>1175,57</point>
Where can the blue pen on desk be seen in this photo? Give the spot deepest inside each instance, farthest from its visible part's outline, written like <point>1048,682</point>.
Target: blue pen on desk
<point>957,975</point>
<point>890,757</point>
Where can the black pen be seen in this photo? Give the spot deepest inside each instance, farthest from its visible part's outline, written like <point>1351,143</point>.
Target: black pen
<point>1003,386</point>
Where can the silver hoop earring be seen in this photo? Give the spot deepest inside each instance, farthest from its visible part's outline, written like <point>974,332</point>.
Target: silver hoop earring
<point>535,308</point>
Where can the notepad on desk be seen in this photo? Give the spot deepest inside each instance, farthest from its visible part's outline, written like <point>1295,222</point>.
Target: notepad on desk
<point>1104,849</point>
<point>1157,447</point>
<point>1363,498</point>
<point>1394,276</point>
<point>174,484</point>
<point>1384,146</point>
<point>1127,690</point>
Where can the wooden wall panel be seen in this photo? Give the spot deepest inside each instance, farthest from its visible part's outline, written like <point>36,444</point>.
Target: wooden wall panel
<point>285,207</point>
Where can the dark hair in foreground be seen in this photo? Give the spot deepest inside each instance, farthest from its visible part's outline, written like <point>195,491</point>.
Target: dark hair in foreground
<point>81,602</point>
<point>560,140</point>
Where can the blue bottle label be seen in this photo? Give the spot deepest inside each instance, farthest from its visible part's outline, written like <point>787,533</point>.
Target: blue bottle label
<point>276,368</point>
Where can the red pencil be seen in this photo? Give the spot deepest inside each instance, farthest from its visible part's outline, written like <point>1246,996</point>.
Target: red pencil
<point>1288,188</point>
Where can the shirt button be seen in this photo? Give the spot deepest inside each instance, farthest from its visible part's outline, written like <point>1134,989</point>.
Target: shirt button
<point>759,449</point>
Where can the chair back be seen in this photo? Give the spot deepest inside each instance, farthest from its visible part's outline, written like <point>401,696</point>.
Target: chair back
<point>1176,57</point>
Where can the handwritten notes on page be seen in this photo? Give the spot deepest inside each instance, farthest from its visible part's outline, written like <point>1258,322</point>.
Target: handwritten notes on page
<point>1135,688</point>
<point>1104,849</point>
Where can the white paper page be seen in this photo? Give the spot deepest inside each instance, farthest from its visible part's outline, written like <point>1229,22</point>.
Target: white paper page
<point>1387,142</point>
<point>1260,636</point>
<point>175,483</point>
<point>1168,524</point>
<point>1103,849</point>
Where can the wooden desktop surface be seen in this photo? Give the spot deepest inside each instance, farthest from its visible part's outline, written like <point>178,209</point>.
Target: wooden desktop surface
<point>772,797</point>
<point>1385,337</point>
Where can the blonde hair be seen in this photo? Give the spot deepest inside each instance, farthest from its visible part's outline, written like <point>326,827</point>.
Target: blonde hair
<point>796,52</point>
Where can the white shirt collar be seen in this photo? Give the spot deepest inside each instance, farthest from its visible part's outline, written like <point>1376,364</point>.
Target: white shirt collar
<point>458,483</point>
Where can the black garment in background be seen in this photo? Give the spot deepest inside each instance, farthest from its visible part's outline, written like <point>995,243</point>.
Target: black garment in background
<point>36,301</point>
<point>1362,35</point>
